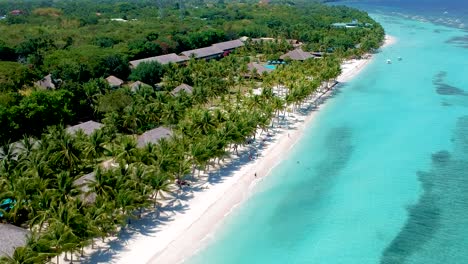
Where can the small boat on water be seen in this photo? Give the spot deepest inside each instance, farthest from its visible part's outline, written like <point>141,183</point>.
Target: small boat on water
<point>400,58</point>
<point>389,61</point>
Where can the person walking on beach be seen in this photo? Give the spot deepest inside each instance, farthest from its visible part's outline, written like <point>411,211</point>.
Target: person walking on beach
<point>255,175</point>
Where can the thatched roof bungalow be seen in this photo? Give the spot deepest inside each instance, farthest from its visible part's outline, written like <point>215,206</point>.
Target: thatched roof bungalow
<point>82,183</point>
<point>183,87</point>
<point>114,82</point>
<point>153,136</point>
<point>11,237</point>
<point>135,86</point>
<point>87,127</point>
<point>297,54</point>
<point>259,68</point>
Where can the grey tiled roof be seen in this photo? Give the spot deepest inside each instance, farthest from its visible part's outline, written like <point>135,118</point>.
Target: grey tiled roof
<point>229,45</point>
<point>203,52</point>
<point>163,59</point>
<point>114,81</point>
<point>11,237</point>
<point>183,87</point>
<point>88,127</point>
<point>297,54</point>
<point>153,136</point>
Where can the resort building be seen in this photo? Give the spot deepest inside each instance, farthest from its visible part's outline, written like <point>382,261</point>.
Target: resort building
<point>297,54</point>
<point>153,136</point>
<point>87,127</point>
<point>183,87</point>
<point>212,52</point>
<point>351,24</point>
<point>207,53</point>
<point>229,46</point>
<point>11,237</point>
<point>114,82</point>
<point>163,59</point>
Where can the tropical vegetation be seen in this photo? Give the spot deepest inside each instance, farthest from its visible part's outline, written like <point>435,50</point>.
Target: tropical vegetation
<point>41,162</point>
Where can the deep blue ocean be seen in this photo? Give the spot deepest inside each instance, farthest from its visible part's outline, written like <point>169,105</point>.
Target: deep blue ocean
<point>381,175</point>
<point>452,13</point>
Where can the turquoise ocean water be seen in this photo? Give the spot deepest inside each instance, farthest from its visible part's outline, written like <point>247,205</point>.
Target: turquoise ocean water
<point>381,175</point>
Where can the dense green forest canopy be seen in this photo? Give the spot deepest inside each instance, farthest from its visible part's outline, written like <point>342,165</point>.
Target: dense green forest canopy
<point>79,44</point>
<point>78,41</point>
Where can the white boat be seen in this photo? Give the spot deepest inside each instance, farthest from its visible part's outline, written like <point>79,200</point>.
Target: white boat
<point>389,61</point>
<point>400,58</point>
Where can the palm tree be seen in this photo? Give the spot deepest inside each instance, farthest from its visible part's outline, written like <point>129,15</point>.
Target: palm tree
<point>26,146</point>
<point>159,182</point>
<point>8,156</point>
<point>103,184</point>
<point>126,149</point>
<point>41,203</point>
<point>95,147</point>
<point>63,150</point>
<point>19,191</point>
<point>125,200</point>
<point>61,238</point>
<point>130,119</point>
<point>36,164</point>
<point>65,187</point>
<point>22,255</point>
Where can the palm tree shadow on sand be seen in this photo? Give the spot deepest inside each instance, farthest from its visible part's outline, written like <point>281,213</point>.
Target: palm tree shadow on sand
<point>150,223</point>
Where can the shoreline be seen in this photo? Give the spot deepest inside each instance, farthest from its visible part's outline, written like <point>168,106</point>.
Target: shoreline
<point>202,212</point>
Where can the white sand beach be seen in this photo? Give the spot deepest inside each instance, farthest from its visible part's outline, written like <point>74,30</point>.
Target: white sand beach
<point>187,224</point>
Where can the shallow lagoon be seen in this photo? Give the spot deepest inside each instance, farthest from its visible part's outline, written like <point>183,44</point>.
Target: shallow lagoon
<point>381,176</point>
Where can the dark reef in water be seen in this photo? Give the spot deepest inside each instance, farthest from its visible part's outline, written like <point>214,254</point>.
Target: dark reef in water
<point>307,193</point>
<point>459,41</point>
<point>444,88</point>
<point>441,213</point>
